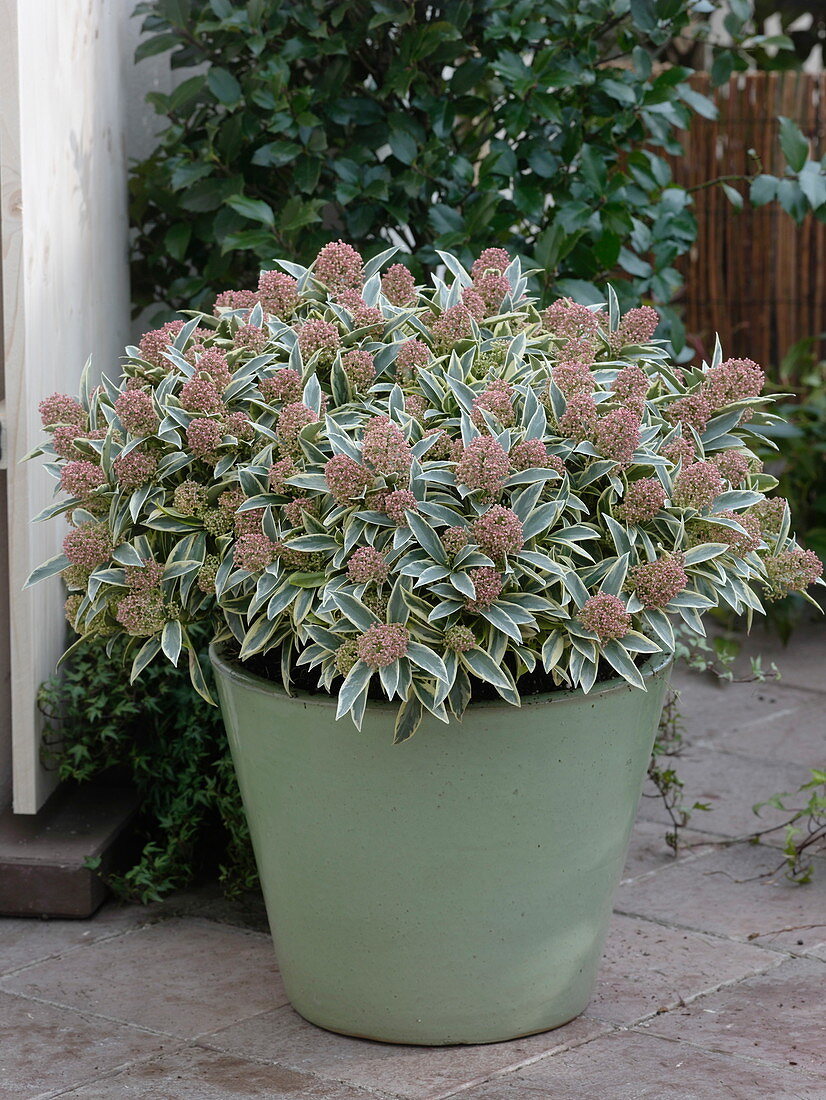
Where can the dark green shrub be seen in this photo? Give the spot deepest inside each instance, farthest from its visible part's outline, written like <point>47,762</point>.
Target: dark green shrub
<point>160,736</point>
<point>421,124</point>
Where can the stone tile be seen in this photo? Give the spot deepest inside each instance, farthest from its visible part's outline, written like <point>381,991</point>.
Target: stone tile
<point>194,1073</point>
<point>178,977</point>
<point>43,1048</point>
<point>649,968</point>
<point>24,940</point>
<point>630,1066</point>
<point>776,1017</point>
<point>648,851</point>
<point>817,952</point>
<point>721,892</point>
<point>731,785</point>
<point>712,709</point>
<point>796,735</point>
<point>801,661</point>
<point>284,1037</point>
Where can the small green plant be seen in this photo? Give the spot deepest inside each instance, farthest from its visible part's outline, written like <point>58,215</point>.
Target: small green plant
<point>160,737</point>
<point>805,830</point>
<point>424,493</point>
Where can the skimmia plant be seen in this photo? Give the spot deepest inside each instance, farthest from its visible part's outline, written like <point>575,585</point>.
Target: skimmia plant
<point>409,490</point>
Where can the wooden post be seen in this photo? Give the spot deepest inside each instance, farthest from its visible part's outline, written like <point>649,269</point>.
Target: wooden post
<point>64,225</point>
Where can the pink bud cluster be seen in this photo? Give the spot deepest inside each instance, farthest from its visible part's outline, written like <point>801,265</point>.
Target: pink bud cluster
<point>155,343</point>
<point>213,363</point>
<point>135,468</point>
<point>385,448</point>
<point>60,408</point>
<point>360,368</point>
<point>80,479</point>
<point>346,478</point>
<point>397,503</point>
<point>734,380</point>
<point>252,338</point>
<point>528,454</point>
<point>733,465</point>
<point>697,485</point>
<point>656,583</point>
<point>294,510</point>
<point>580,417</point>
<point>364,316</point>
<point>679,449</point>
<point>279,472</point>
<point>450,327</point>
<point>318,337</point>
<point>88,546</point>
<point>203,438</point>
<point>499,532</point>
<point>293,419</point>
<point>235,299</point>
<point>382,644</point>
<point>490,259</point>
<point>199,394</point>
<point>460,639</point>
<point>693,409</point>
<point>483,465</point>
<point>254,552</point>
<point>64,437</point>
<point>606,616</point>
<point>792,570</point>
<point>617,435</point>
<point>278,293</point>
<point>572,378</point>
<point>631,387</point>
<point>567,319</point>
<point>190,498</point>
<point>637,326</point>
<point>642,501</point>
<point>770,513</point>
<point>492,287</point>
<point>339,267</point>
<point>136,411</point>
<point>142,613</point>
<point>367,566</point>
<point>487,583</point>
<point>497,399</point>
<point>739,542</point>
<point>142,578</point>
<point>412,356</point>
<point>398,285</point>
<point>474,303</point>
<point>284,385</point>
<point>454,539</point>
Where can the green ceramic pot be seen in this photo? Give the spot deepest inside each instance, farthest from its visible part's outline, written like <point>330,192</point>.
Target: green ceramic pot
<point>453,889</point>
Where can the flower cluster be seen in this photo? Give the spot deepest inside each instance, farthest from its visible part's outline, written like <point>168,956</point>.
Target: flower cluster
<point>443,486</point>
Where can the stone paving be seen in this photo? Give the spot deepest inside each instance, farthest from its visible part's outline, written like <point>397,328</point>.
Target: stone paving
<point>712,985</point>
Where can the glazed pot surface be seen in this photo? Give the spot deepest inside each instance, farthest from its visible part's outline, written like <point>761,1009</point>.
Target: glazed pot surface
<point>455,888</point>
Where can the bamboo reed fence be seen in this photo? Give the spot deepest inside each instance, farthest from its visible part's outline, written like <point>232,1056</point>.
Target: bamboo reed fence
<point>755,276</point>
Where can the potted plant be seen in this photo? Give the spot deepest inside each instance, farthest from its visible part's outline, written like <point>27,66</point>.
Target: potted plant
<point>436,510</point>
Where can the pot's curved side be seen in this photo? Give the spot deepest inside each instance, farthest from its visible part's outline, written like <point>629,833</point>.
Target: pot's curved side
<point>452,889</point>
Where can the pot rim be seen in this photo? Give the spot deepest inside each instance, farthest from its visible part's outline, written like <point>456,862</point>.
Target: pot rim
<point>230,668</point>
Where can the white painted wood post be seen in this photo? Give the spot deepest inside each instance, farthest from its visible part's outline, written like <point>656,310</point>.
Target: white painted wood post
<point>64,226</point>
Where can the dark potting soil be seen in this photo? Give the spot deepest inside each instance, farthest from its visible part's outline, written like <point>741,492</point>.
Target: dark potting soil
<point>538,682</point>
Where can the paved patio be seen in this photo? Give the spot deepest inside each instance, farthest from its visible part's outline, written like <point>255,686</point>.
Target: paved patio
<point>712,985</point>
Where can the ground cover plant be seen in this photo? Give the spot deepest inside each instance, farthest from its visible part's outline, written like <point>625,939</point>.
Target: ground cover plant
<point>415,491</point>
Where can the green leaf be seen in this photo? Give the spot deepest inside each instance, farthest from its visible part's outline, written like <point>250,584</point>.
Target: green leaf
<point>223,86</point>
<point>177,238</point>
<point>763,189</point>
<point>255,209</point>
<point>794,145</point>
<point>425,658</point>
<point>171,639</point>
<point>812,180</point>
<point>48,569</point>
<point>734,197</point>
<point>408,719</point>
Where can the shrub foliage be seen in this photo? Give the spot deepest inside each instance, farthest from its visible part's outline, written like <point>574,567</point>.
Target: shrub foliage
<point>415,489</point>
<point>541,126</point>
